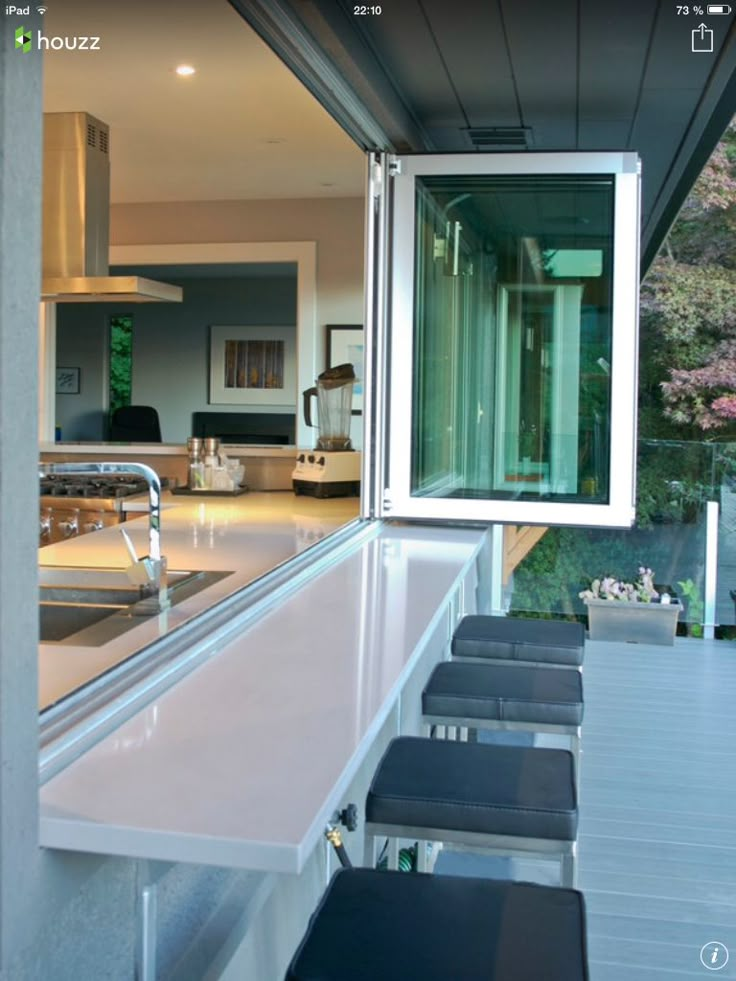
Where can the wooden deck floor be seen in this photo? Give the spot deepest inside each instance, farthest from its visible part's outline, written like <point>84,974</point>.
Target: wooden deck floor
<point>657,832</point>
<point>657,837</point>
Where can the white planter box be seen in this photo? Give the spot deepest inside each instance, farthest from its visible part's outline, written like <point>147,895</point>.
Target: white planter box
<point>633,623</point>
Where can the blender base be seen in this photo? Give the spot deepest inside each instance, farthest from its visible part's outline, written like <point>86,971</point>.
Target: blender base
<point>324,474</point>
<point>335,488</point>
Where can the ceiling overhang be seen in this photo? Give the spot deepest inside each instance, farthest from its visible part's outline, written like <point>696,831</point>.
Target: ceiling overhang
<point>333,61</point>
<point>425,75</point>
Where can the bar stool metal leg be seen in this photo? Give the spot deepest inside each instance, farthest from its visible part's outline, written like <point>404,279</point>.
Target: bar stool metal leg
<point>369,851</point>
<point>569,867</point>
<point>575,749</point>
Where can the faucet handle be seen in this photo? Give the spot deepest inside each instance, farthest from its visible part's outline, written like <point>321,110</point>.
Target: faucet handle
<point>129,545</point>
<point>148,573</point>
<point>141,572</point>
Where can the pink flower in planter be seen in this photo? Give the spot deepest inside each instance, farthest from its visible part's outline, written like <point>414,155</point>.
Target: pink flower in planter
<point>608,588</point>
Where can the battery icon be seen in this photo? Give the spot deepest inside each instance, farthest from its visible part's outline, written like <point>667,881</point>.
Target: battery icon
<point>718,8</point>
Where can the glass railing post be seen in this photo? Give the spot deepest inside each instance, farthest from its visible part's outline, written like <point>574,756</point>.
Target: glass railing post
<point>711,569</point>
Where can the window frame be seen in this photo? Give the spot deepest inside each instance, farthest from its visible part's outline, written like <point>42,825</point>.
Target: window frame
<point>397,500</point>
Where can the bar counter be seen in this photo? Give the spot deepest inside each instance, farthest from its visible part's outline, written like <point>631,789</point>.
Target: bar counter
<point>242,762</point>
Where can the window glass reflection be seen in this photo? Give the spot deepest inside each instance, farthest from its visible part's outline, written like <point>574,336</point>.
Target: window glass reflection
<point>512,337</point>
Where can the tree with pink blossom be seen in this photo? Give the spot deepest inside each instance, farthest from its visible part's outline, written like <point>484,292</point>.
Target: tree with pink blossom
<point>688,312</point>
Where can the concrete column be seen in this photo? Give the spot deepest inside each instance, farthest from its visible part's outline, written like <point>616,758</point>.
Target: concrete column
<point>20,250</point>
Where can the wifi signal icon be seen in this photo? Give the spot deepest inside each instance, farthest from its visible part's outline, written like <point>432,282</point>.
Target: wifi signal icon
<point>42,10</point>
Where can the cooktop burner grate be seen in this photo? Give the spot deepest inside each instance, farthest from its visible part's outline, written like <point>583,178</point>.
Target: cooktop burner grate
<point>108,486</point>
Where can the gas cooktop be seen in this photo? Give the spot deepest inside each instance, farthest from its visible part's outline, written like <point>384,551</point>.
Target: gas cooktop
<point>94,486</point>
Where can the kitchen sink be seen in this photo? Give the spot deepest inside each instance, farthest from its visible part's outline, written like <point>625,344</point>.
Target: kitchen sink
<point>104,577</point>
<point>89,607</point>
<point>105,587</point>
<point>59,620</point>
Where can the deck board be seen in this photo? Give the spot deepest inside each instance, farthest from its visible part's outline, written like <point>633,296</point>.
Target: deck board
<point>657,835</point>
<point>657,840</point>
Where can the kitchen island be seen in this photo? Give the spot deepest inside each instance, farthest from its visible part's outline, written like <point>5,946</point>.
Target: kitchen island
<point>245,536</point>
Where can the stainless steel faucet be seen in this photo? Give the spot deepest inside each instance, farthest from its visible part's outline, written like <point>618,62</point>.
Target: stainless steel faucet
<point>151,569</point>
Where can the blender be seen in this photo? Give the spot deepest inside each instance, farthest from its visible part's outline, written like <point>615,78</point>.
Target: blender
<point>332,469</point>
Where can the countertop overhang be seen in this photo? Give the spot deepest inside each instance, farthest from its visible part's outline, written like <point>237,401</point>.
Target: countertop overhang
<point>242,762</point>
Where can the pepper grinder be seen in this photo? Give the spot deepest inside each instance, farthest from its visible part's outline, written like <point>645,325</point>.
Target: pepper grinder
<point>211,448</point>
<point>196,467</point>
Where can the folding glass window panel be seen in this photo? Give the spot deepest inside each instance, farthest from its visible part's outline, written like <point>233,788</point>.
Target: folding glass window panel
<point>513,338</point>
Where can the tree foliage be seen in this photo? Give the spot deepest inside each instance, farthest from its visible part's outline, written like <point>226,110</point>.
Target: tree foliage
<point>688,312</point>
<point>121,361</point>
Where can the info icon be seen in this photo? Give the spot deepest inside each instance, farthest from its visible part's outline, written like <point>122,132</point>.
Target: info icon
<point>714,955</point>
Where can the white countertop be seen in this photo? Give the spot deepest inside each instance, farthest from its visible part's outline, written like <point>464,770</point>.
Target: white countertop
<point>162,449</point>
<point>248,535</point>
<point>242,762</point>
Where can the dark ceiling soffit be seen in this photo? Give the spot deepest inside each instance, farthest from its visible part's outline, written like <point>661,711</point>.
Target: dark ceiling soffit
<point>323,55</point>
<point>715,110</point>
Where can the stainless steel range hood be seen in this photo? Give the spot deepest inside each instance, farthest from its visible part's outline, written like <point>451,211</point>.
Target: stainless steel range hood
<point>76,218</point>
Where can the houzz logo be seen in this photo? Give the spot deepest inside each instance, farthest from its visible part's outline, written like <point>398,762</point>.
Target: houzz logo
<point>22,39</point>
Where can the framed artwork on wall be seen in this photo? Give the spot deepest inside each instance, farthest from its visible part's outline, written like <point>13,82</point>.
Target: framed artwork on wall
<point>345,345</point>
<point>67,381</point>
<point>253,366</point>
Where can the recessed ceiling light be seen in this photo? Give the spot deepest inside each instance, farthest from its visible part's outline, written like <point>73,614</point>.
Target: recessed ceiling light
<point>184,70</point>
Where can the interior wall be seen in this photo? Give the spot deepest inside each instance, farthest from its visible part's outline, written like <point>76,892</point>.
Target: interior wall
<point>170,350</point>
<point>335,224</point>
<point>179,340</point>
<point>81,342</point>
<point>164,335</point>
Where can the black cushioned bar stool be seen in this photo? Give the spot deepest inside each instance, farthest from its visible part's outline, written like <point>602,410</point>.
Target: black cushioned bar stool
<point>398,926</point>
<point>508,697</point>
<point>540,642</point>
<point>506,800</point>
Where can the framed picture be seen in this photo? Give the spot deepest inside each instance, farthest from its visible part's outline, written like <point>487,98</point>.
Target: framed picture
<point>67,381</point>
<point>253,366</point>
<point>345,345</point>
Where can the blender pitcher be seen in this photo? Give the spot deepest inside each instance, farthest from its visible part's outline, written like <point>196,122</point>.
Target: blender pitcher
<point>334,391</point>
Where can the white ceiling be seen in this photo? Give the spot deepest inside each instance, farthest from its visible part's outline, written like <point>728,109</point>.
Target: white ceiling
<point>243,127</point>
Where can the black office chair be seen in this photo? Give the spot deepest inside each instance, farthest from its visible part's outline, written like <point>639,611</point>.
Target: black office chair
<point>135,424</point>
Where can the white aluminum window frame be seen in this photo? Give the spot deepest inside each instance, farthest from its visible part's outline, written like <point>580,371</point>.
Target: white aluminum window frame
<point>397,500</point>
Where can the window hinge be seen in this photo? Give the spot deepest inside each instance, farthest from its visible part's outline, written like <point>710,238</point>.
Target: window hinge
<point>387,503</point>
<point>394,166</point>
<point>376,176</point>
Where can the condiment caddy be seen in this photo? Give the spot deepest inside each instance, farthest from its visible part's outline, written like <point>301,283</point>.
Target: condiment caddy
<point>211,471</point>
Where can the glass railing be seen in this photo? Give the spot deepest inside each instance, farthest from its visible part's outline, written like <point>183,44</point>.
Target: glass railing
<point>725,462</point>
<point>675,482</point>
